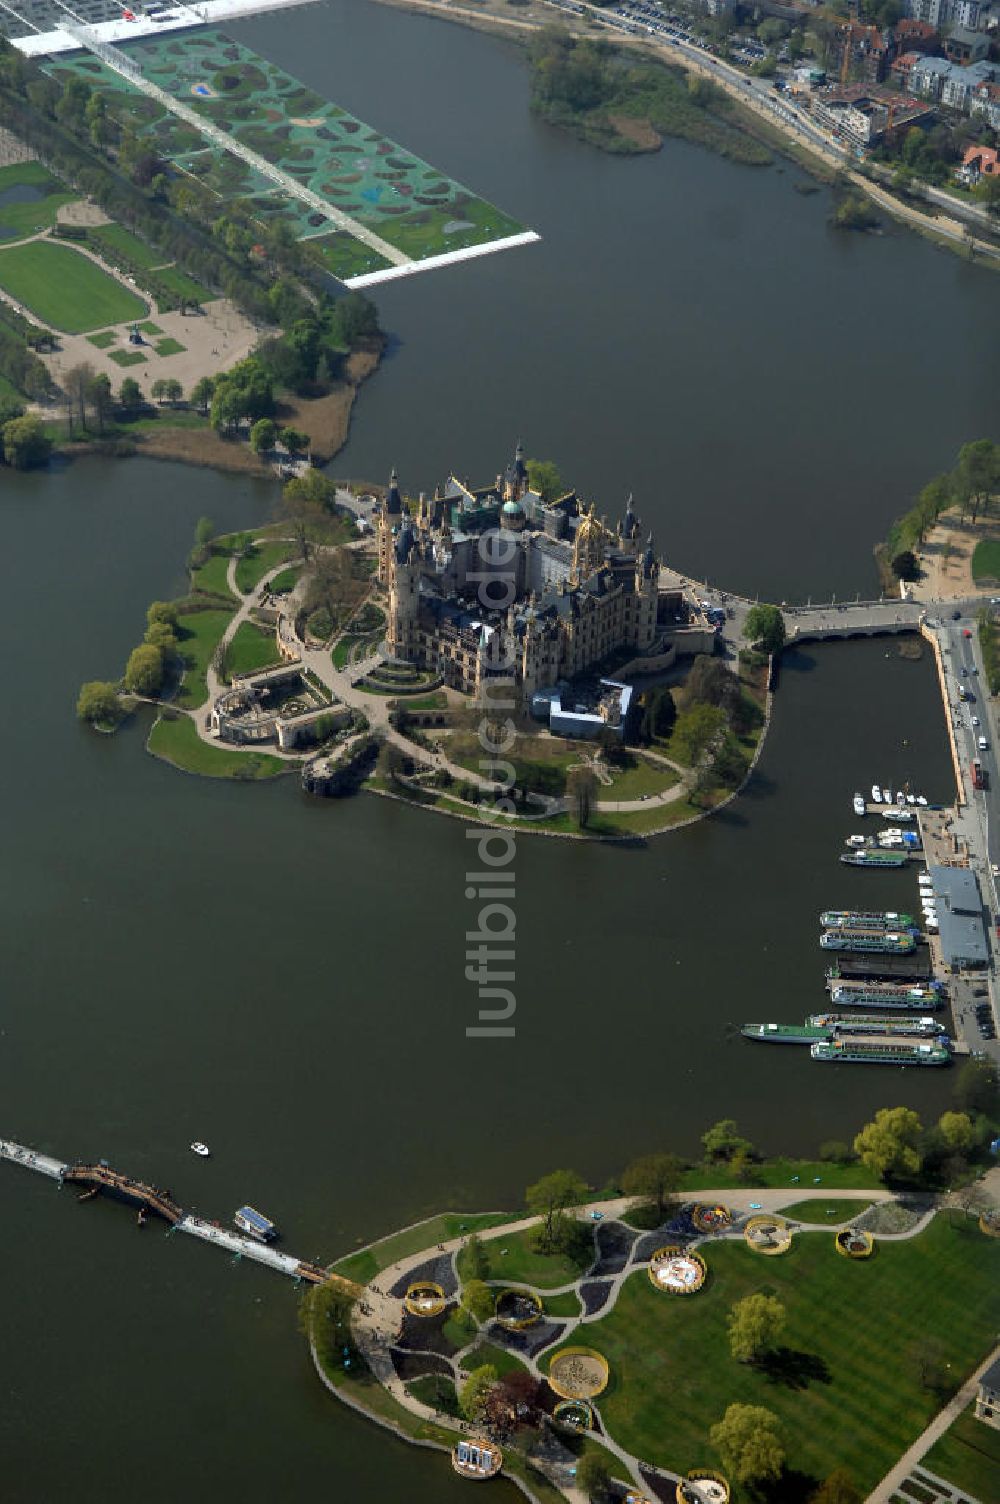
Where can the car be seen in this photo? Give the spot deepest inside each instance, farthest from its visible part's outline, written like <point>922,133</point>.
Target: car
<point>966,632</point>
<point>956,616</point>
<point>975,720</point>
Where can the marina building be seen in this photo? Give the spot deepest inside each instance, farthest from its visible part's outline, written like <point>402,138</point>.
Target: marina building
<point>960,916</point>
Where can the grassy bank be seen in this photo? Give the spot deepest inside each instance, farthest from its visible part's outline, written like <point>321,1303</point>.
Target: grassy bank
<point>367,1262</point>
<point>968,1455</point>
<point>176,740</point>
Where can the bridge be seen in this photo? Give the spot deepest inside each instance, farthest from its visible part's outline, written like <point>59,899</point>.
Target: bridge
<point>100,1177</point>
<point>834,620</point>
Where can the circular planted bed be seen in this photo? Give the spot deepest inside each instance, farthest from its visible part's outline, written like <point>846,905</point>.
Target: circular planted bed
<point>578,1373</point>
<point>425,1298</point>
<point>477,1458</point>
<point>989,1223</point>
<point>854,1243</point>
<point>708,1485</point>
<point>677,1271</point>
<point>578,1415</point>
<point>771,1235</point>
<point>517,1309</point>
<point>711,1218</point>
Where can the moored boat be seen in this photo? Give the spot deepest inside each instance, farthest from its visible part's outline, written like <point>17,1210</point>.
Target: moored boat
<point>887,942</point>
<point>806,1033</point>
<point>898,814</point>
<point>865,919</point>
<point>255,1224</point>
<point>876,793</point>
<point>873,1023</point>
<point>892,995</point>
<point>860,807</point>
<point>880,1052</point>
<point>875,858</point>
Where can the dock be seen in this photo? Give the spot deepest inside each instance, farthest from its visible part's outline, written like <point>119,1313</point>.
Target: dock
<point>100,1177</point>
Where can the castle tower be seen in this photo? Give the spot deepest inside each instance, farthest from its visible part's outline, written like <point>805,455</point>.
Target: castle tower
<point>388,522</point>
<point>404,594</point>
<point>647,581</point>
<point>588,546</point>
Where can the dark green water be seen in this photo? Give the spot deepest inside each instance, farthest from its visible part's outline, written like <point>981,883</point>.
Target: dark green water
<point>285,979</point>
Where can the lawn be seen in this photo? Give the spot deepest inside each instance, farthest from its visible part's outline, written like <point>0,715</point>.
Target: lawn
<point>511,1257</point>
<point>826,1212</point>
<point>986,560</point>
<point>435,1390</point>
<point>846,1387</point>
<point>780,1172</point>
<point>103,340</point>
<point>485,1352</point>
<point>169,347</point>
<point>120,244</point>
<point>252,648</point>
<point>968,1455</point>
<point>285,581</point>
<point>148,327</point>
<point>20,219</point>
<point>65,289</point>
<point>127,357</point>
<point>567,1304</point>
<point>182,286</point>
<point>199,636</point>
<point>177,741</point>
<point>644,777</point>
<point>264,557</point>
<point>212,576</point>
<point>363,1265</point>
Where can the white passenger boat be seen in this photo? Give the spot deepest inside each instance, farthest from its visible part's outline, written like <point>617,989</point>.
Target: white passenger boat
<point>199,1148</point>
<point>876,793</point>
<point>860,808</point>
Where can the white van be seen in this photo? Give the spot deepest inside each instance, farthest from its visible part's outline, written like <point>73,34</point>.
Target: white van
<point>982,744</point>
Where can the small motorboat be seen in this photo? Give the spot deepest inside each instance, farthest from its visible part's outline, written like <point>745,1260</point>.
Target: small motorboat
<point>199,1148</point>
<point>901,797</point>
<point>860,807</point>
<point>922,799</point>
<point>876,793</point>
<point>856,841</point>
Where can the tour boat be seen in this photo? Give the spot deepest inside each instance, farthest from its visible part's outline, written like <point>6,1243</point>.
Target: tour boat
<point>897,814</point>
<point>877,1052</point>
<point>860,807</point>
<point>856,841</point>
<point>251,1221</point>
<point>199,1148</point>
<point>876,793</point>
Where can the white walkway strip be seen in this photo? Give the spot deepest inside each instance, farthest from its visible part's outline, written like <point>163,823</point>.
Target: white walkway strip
<point>447,258</point>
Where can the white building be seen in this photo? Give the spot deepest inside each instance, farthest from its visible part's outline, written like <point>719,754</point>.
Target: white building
<point>938,13</point>
<point>958,87</point>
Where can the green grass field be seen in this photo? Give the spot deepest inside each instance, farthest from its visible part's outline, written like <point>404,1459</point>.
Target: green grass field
<point>20,219</point>
<point>567,1304</point>
<point>169,347</point>
<point>285,581</point>
<point>177,741</point>
<point>511,1257</point>
<point>644,778</point>
<point>199,636</point>
<point>64,289</point>
<point>986,560</point>
<point>826,1212</point>
<point>776,1173</point>
<point>121,245</point>
<point>252,648</point>
<point>846,1386</point>
<point>127,357</point>
<point>182,286</point>
<point>103,340</point>
<point>440,1229</point>
<point>148,327</point>
<point>212,576</point>
<point>499,1357</point>
<point>252,567</point>
<point>968,1455</point>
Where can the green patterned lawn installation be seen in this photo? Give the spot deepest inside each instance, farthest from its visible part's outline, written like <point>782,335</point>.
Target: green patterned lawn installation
<point>409,204</point>
<point>64,289</point>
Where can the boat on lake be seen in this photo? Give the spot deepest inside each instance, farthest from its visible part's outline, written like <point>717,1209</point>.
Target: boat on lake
<point>806,1033</point>
<point>860,807</point>
<point>876,793</point>
<point>898,814</point>
<point>893,995</point>
<point>201,1149</point>
<point>873,1023</point>
<point>884,942</point>
<point>874,858</point>
<point>880,1052</point>
<point>865,919</point>
<point>255,1224</point>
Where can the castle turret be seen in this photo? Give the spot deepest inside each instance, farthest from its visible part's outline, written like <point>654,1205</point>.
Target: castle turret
<point>388,522</point>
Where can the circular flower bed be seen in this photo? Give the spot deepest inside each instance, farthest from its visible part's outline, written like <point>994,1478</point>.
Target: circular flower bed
<point>677,1271</point>
<point>710,1485</point>
<point>989,1223</point>
<point>578,1373</point>
<point>711,1218</point>
<point>771,1235</point>
<point>577,1414</point>
<point>517,1309</point>
<point>425,1298</point>
<point>854,1243</point>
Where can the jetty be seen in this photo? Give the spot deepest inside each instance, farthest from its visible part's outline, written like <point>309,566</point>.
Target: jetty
<point>149,1199</point>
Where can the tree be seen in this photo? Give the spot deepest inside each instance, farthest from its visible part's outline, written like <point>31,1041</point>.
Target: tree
<point>173,391</point>
<point>593,1475</point>
<point>478,1299</point>
<point>164,611</point>
<point>201,394</point>
<point>204,531</point>
<point>160,636</point>
<point>475,1257</point>
<point>765,628</point>
<point>76,383</point>
<point>977,1087</point>
<point>159,390</point>
<point>130,395</point>
<point>988,193</point>
<point>144,670</point>
<point>696,730</point>
<point>722,1141</point>
<point>890,1145</point>
<point>99,704</point>
<point>749,1443</point>
<point>262,435</point>
<point>294,441</point>
<point>977,475</point>
<point>956,1131</point>
<point>655,1176</point>
<point>544,478</point>
<point>837,1488</point>
<point>26,445</point>
<point>661,710</point>
<point>755,1324</point>
<point>581,786</point>
<point>474,1392</point>
<point>906,565</point>
<point>551,1195</point>
<point>99,396</point>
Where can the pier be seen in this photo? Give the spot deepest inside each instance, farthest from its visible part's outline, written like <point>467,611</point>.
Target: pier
<point>100,1177</point>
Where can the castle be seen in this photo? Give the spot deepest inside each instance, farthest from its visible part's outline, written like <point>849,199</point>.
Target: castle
<point>495,583</point>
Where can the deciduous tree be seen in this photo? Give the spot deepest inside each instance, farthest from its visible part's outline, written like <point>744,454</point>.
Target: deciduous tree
<point>755,1324</point>
<point>748,1441</point>
<point>544,477</point>
<point>957,1131</point>
<point>550,1196</point>
<point>474,1392</point>
<point>695,732</point>
<point>99,704</point>
<point>837,1488</point>
<point>144,670</point>
<point>593,1476</point>
<point>478,1299</point>
<point>765,628</point>
<point>26,445</point>
<point>723,1141</point>
<point>655,1176</point>
<point>581,786</point>
<point>890,1145</point>
<point>262,435</point>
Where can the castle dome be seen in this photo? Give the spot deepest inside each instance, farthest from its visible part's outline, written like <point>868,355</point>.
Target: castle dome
<point>512,514</point>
